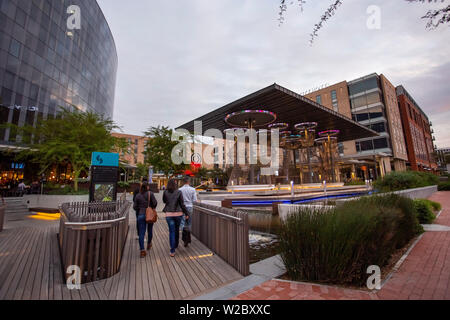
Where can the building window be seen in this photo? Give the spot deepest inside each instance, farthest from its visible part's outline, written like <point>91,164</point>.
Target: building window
<point>14,48</point>
<point>333,95</point>
<point>381,143</point>
<point>378,127</point>
<point>319,99</point>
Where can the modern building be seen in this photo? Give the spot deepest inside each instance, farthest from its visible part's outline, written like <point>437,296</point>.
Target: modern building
<point>44,66</point>
<point>442,154</point>
<point>418,133</point>
<point>372,101</point>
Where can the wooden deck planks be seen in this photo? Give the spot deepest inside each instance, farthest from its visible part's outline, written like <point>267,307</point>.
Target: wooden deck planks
<point>30,268</point>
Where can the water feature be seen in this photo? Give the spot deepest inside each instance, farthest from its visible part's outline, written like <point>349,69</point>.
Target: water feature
<point>265,228</point>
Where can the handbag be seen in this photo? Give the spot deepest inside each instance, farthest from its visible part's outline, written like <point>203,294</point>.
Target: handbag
<point>151,216</point>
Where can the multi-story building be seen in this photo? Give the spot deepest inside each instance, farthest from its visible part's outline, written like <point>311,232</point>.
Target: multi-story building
<point>372,101</point>
<point>44,66</point>
<point>442,155</point>
<point>418,133</point>
<point>136,149</point>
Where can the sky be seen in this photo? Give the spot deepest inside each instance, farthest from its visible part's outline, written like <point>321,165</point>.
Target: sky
<point>181,59</point>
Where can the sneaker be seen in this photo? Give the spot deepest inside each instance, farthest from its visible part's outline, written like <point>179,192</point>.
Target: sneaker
<point>172,255</point>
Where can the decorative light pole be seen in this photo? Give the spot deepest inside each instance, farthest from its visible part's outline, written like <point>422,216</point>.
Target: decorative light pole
<point>250,119</point>
<point>308,132</point>
<point>329,137</point>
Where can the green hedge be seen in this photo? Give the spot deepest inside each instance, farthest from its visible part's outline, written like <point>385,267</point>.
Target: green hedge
<point>444,186</point>
<point>355,182</point>
<point>401,180</point>
<point>67,190</point>
<point>336,246</point>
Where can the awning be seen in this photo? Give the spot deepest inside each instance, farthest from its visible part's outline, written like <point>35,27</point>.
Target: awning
<point>291,108</point>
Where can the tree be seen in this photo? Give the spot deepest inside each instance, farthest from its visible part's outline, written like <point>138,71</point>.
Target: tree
<point>435,17</point>
<point>141,171</point>
<point>159,151</point>
<point>72,137</point>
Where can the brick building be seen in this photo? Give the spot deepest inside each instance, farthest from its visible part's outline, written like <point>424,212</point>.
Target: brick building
<point>418,133</point>
<point>135,151</point>
<point>372,101</point>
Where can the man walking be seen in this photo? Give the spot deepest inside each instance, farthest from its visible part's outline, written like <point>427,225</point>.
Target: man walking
<point>189,197</point>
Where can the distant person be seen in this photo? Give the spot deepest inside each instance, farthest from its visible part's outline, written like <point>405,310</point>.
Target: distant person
<point>21,188</point>
<point>35,187</point>
<point>189,197</point>
<point>143,200</point>
<point>135,193</point>
<point>174,209</point>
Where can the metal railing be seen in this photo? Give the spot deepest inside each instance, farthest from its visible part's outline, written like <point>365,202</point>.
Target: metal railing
<point>92,236</point>
<point>225,232</point>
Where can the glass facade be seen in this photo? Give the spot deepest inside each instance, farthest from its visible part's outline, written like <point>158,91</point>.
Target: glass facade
<point>368,108</point>
<point>43,66</point>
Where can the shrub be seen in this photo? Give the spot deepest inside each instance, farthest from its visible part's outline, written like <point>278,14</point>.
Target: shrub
<point>67,190</point>
<point>355,182</point>
<point>123,184</point>
<point>424,211</point>
<point>337,246</point>
<point>444,186</point>
<point>401,180</point>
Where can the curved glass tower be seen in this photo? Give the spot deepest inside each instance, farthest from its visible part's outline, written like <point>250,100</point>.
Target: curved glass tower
<point>44,64</point>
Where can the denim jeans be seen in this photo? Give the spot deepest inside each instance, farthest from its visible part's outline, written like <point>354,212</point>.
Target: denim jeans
<point>174,232</point>
<point>187,223</point>
<point>137,221</point>
<point>143,226</point>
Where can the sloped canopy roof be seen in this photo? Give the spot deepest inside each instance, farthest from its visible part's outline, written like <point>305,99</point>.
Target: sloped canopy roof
<point>291,108</point>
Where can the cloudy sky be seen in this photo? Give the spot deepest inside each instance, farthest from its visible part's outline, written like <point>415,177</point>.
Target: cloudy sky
<point>181,59</point>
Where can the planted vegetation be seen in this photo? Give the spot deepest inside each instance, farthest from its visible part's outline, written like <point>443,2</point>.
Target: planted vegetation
<point>337,246</point>
<point>402,180</point>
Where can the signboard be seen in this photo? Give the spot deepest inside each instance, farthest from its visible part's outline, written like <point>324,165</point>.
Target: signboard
<point>102,159</point>
<point>104,177</point>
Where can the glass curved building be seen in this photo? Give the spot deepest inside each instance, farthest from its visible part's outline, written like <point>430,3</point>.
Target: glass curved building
<point>44,64</point>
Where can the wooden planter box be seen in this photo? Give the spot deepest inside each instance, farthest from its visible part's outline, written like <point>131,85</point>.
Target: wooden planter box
<point>92,237</point>
<point>2,216</point>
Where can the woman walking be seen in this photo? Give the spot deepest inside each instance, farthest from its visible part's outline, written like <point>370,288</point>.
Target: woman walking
<point>143,200</point>
<point>174,209</point>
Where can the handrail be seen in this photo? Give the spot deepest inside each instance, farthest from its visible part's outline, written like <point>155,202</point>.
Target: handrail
<point>217,213</point>
<point>91,223</point>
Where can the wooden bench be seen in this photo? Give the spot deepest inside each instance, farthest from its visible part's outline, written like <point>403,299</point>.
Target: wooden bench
<point>92,236</point>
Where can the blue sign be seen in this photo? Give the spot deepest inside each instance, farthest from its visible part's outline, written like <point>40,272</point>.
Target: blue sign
<point>103,159</point>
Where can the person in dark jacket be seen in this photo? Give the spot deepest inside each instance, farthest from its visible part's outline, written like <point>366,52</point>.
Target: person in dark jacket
<point>135,193</point>
<point>141,203</point>
<point>175,211</point>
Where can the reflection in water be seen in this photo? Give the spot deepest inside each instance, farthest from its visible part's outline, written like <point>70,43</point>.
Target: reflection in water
<point>264,228</point>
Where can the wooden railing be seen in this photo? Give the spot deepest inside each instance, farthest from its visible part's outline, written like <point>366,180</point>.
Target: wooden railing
<point>92,237</point>
<point>225,232</point>
<point>2,216</point>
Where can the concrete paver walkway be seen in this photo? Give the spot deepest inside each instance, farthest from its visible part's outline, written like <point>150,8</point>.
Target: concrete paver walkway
<point>425,273</point>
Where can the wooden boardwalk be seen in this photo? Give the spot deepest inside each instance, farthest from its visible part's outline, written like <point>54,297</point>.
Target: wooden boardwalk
<point>30,267</point>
